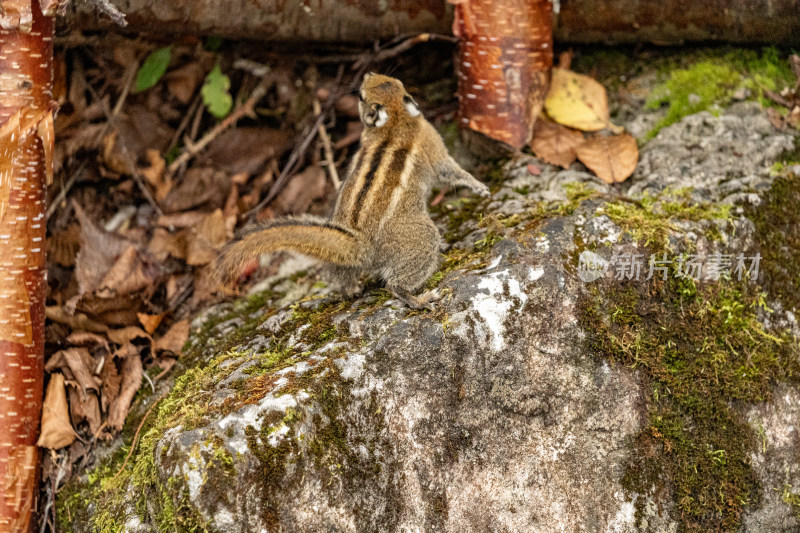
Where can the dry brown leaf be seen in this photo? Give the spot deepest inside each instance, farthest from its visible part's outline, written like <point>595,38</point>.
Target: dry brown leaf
<point>82,366</point>
<point>128,274</point>
<point>125,335</point>
<point>554,143</point>
<point>113,157</point>
<point>126,350</point>
<point>56,429</point>
<point>57,313</point>
<point>124,55</point>
<point>613,158</point>
<point>154,174</point>
<point>165,244</point>
<point>231,209</point>
<point>245,150</point>
<point>131,381</point>
<point>203,241</point>
<point>88,339</point>
<point>119,310</point>
<point>150,322</point>
<point>183,82</point>
<point>201,186</point>
<point>301,191</point>
<point>577,101</point>
<point>99,251</point>
<point>174,339</point>
<point>84,407</point>
<point>111,383</point>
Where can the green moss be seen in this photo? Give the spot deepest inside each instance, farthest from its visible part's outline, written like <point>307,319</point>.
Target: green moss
<point>694,443</point>
<point>777,223</point>
<point>791,498</point>
<point>713,78</point>
<point>691,90</point>
<point>651,220</point>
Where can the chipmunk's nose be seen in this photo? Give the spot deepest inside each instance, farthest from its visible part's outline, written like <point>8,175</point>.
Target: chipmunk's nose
<point>368,75</point>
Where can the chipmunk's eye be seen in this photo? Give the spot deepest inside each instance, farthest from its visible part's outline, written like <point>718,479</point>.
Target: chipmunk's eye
<point>361,96</point>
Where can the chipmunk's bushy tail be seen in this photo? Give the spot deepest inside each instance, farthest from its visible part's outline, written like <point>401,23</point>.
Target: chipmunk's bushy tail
<point>311,236</point>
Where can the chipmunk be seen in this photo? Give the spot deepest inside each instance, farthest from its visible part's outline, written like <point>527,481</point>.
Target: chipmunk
<point>380,224</point>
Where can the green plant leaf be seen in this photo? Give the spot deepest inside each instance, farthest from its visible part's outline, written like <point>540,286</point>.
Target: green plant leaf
<point>215,93</point>
<point>153,68</point>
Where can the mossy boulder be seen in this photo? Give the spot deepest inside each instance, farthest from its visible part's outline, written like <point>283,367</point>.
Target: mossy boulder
<point>527,399</point>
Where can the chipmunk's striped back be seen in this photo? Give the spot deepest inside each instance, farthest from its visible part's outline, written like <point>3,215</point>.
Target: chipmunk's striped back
<point>378,180</point>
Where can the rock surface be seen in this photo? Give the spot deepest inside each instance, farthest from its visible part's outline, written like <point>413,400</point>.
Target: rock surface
<point>487,414</point>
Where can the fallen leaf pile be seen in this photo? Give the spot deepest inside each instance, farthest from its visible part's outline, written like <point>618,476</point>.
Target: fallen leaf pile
<point>577,103</point>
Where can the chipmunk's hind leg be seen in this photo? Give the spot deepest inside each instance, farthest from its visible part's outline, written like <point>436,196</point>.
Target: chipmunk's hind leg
<point>407,257</point>
<point>347,280</point>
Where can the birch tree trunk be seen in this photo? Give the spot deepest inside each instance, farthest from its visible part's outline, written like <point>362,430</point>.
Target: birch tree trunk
<point>504,63</point>
<point>26,139</point>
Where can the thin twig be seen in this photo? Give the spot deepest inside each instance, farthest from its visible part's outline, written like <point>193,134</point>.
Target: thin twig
<point>136,435</point>
<point>133,68</point>
<point>245,109</point>
<point>389,53</point>
<point>326,146</point>
<point>184,123</point>
<point>64,190</point>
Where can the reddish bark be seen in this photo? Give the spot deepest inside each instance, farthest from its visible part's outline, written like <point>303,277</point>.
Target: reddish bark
<point>26,137</point>
<point>504,63</point>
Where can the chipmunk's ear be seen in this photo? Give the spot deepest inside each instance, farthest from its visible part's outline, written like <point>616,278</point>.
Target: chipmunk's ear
<point>411,106</point>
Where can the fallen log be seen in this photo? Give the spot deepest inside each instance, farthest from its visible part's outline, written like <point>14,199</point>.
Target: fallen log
<point>328,21</point>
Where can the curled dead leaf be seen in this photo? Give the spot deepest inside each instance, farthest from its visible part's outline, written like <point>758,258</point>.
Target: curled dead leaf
<point>56,429</point>
<point>84,407</point>
<point>613,158</point>
<point>131,381</point>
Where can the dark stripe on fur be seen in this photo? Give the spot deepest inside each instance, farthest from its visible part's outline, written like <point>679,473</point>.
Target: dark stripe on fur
<point>374,165</point>
<point>292,222</point>
<point>391,180</point>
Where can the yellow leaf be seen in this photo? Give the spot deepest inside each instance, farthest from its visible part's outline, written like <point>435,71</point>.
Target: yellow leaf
<point>577,101</point>
<point>613,159</point>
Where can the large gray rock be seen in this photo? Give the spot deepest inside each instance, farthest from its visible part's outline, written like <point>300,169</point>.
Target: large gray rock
<point>487,414</point>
